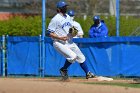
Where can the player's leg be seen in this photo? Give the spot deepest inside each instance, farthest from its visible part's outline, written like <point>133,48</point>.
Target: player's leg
<point>86,70</point>
<point>81,60</point>
<point>65,51</point>
<point>68,54</point>
<point>64,71</point>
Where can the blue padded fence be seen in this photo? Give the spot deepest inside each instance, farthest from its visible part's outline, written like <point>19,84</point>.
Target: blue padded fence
<point>0,56</point>
<point>23,55</point>
<point>111,56</point>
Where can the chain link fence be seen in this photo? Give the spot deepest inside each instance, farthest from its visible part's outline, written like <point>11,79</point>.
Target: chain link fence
<point>89,7</point>
<point>20,6</point>
<point>130,17</point>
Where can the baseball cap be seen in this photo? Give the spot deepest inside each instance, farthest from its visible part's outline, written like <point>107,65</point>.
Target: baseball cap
<point>96,18</point>
<point>61,4</point>
<point>71,13</point>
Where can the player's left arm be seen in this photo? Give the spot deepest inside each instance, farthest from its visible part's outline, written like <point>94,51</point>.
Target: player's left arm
<point>80,31</point>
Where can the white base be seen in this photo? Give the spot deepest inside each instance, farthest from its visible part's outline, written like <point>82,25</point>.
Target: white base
<point>101,78</point>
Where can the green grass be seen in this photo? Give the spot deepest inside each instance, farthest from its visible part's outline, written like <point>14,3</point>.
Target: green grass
<point>132,85</point>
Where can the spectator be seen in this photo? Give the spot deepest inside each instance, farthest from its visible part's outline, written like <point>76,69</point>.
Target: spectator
<point>98,29</point>
<point>80,34</point>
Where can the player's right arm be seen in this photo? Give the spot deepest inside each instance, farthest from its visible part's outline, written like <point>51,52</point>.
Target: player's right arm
<point>53,35</point>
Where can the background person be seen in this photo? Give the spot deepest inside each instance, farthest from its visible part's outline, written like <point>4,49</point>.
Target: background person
<point>98,29</point>
<point>80,34</point>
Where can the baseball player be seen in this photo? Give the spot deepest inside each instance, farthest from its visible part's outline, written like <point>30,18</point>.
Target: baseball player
<point>58,29</point>
<point>80,34</point>
<point>98,29</point>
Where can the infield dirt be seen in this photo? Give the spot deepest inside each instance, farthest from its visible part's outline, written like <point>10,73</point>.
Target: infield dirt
<point>55,85</point>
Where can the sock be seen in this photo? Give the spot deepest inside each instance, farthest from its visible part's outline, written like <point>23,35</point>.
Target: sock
<point>66,65</point>
<point>84,67</point>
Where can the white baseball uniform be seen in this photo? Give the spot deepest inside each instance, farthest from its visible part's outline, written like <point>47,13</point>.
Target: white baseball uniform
<point>79,28</point>
<point>60,26</point>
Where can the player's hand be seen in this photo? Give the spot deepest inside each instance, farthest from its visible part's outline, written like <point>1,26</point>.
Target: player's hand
<point>64,38</point>
<point>73,31</point>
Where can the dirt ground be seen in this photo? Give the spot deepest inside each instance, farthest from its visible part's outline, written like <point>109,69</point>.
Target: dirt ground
<point>55,85</point>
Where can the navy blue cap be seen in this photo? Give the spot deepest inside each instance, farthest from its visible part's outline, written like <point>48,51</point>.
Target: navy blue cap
<point>71,13</point>
<point>61,4</point>
<point>96,18</point>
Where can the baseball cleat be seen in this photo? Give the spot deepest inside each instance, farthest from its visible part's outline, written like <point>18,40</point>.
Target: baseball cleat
<point>64,74</point>
<point>90,75</point>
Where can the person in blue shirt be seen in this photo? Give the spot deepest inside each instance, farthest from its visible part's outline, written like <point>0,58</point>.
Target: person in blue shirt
<point>98,29</point>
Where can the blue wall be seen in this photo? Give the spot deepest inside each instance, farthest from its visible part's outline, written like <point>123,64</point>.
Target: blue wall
<point>0,56</point>
<point>111,56</point>
<point>23,55</point>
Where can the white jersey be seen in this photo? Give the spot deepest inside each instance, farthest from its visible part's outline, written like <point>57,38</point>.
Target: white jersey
<point>79,28</point>
<point>60,25</point>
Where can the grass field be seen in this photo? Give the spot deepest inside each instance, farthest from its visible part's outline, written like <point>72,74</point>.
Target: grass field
<point>132,85</point>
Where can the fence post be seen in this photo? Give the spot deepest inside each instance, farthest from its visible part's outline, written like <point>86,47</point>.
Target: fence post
<point>117,17</point>
<point>40,56</point>
<point>3,55</point>
<point>43,35</point>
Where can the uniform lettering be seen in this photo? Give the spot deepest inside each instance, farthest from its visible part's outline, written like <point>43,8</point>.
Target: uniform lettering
<point>66,24</point>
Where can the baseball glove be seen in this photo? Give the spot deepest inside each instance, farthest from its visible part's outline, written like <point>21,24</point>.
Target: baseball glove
<point>73,31</point>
